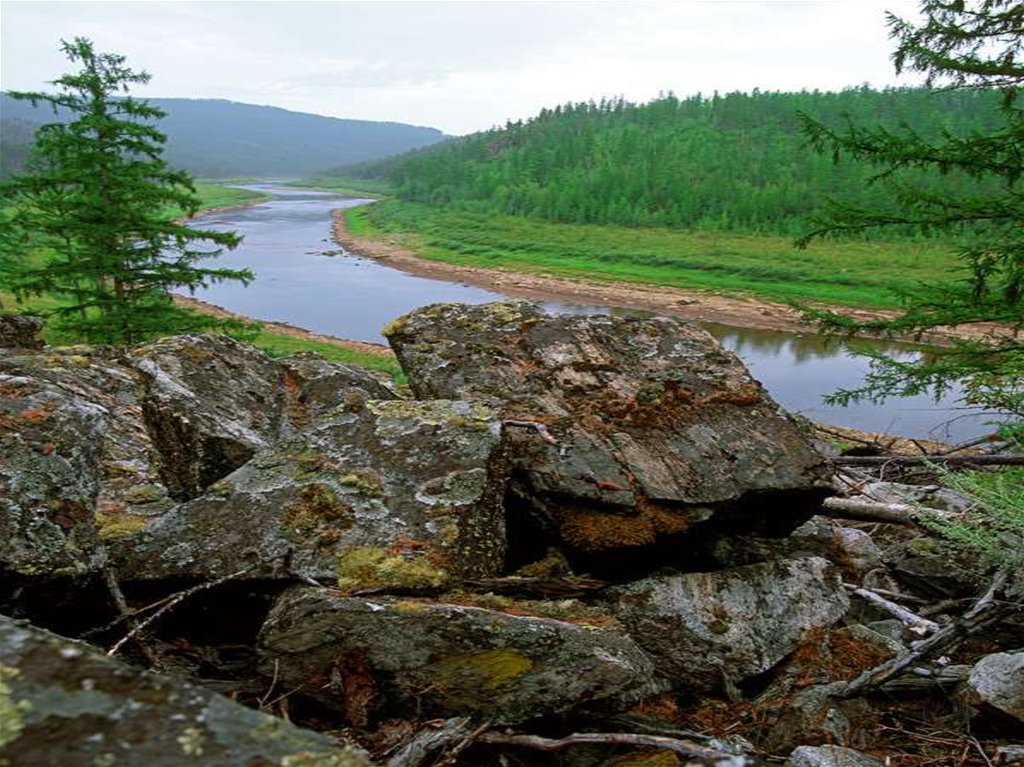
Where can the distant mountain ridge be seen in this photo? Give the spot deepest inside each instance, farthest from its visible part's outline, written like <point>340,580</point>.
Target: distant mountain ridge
<point>215,138</point>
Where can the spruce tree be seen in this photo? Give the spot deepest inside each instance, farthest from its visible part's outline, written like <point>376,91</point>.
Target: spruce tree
<point>92,221</point>
<point>959,45</point>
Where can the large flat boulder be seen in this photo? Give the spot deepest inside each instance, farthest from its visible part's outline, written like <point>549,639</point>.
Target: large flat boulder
<point>394,494</point>
<point>658,428</point>
<point>997,682</point>
<point>64,702</point>
<point>707,630</point>
<point>393,657</point>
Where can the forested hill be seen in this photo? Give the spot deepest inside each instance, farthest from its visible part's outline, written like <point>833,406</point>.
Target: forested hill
<point>735,162</point>
<point>221,139</point>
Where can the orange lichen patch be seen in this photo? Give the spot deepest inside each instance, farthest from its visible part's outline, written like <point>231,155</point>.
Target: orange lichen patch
<point>298,412</point>
<point>747,394</point>
<point>8,424</point>
<point>36,415</point>
<point>594,530</point>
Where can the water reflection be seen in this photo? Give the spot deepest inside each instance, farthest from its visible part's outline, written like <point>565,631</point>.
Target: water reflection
<point>303,278</point>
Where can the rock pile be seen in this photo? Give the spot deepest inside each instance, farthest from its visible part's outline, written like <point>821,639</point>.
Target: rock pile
<point>577,522</point>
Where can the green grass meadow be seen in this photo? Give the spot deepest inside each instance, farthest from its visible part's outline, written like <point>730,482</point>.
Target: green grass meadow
<point>851,273</point>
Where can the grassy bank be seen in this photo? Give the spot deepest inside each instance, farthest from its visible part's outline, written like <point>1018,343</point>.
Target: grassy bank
<point>275,343</point>
<point>857,274</point>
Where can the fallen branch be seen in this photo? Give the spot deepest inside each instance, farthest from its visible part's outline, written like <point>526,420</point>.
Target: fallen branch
<point>538,743</point>
<point>917,624</point>
<point>110,578</point>
<point>428,741</point>
<point>920,680</point>
<point>869,511</point>
<point>174,601</point>
<point>985,611</point>
<point>1001,459</point>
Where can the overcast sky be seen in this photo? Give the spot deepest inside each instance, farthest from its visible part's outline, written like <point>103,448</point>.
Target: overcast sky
<point>458,66</point>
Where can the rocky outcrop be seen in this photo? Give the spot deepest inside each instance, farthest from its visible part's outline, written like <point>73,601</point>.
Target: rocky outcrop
<point>75,465</point>
<point>829,756</point>
<point>997,681</point>
<point>211,403</point>
<point>64,702</point>
<point>706,630</point>
<point>20,332</point>
<point>658,429</point>
<point>448,659</point>
<point>377,494</point>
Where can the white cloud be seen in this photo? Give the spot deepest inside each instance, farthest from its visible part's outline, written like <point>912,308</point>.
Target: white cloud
<point>459,66</point>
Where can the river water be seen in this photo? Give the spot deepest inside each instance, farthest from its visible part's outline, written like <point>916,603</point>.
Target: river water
<point>286,240</point>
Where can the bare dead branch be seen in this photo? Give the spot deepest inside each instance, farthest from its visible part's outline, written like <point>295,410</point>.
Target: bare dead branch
<point>1000,459</point>
<point>984,612</point>
<point>174,601</point>
<point>917,624</point>
<point>538,743</point>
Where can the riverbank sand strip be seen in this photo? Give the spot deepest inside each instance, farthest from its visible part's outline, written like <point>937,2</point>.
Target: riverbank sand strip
<point>689,304</point>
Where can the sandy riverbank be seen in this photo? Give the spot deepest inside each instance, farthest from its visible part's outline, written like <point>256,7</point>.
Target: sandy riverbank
<point>691,305</point>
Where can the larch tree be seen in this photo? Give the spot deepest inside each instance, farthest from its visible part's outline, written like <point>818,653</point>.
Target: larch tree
<point>91,224</point>
<point>962,45</point>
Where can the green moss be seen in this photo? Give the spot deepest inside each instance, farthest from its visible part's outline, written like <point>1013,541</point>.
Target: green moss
<point>112,527</point>
<point>469,676</point>
<point>395,326</point>
<point>373,568</point>
<point>192,741</point>
<point>141,494</point>
<point>12,712</point>
<point>316,513</point>
<point>364,481</point>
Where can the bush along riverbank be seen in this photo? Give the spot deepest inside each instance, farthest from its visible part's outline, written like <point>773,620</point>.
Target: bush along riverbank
<point>582,540</point>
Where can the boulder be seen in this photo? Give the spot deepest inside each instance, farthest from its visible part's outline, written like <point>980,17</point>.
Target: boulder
<point>997,681</point>
<point>395,495</point>
<point>708,629</point>
<point>74,460</point>
<point>829,756</point>
<point>395,657</point>
<point>211,403</point>
<point>20,332</point>
<point>820,714</point>
<point>658,428</point>
<point>64,702</point>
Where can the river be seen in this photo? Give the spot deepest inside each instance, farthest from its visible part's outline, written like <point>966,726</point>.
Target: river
<point>304,278</point>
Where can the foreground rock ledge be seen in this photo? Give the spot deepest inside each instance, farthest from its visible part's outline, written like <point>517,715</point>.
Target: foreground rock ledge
<point>65,703</point>
<point>659,427</point>
<point>709,629</point>
<point>447,659</point>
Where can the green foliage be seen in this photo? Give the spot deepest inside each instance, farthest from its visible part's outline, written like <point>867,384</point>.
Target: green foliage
<point>848,273</point>
<point>735,162</point>
<point>89,225</point>
<point>993,529</point>
<point>974,48</point>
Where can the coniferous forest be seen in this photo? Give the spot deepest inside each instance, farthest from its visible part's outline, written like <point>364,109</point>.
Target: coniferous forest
<point>737,162</point>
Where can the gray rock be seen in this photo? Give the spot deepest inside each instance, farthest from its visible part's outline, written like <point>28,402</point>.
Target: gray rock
<point>819,714</point>
<point>442,660</point>
<point>20,332</point>
<point>211,403</point>
<point>74,460</point>
<point>64,702</point>
<point>704,629</point>
<point>997,680</point>
<point>660,428</point>
<point>397,495</point>
<point>829,756</point>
